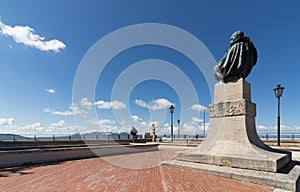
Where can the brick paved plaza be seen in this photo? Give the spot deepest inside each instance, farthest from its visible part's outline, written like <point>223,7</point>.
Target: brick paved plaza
<point>132,172</point>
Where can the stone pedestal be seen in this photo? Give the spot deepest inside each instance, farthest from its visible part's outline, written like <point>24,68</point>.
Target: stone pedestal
<point>232,140</point>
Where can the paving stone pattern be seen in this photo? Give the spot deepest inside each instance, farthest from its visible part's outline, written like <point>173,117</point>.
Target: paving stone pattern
<point>114,174</point>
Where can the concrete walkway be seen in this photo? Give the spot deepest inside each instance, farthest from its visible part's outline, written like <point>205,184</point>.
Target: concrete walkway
<point>132,172</point>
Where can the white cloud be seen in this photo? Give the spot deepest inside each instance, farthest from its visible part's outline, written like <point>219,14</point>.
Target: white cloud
<point>206,126</point>
<point>54,112</point>
<point>160,104</point>
<point>262,128</point>
<point>7,121</point>
<point>86,103</point>
<point>197,120</point>
<point>51,91</point>
<point>105,125</point>
<point>73,110</point>
<point>155,104</point>
<point>59,124</point>
<point>60,128</point>
<point>108,105</point>
<point>292,128</point>
<point>75,129</point>
<point>32,128</point>
<point>101,104</point>
<point>26,35</point>
<point>166,129</point>
<point>143,123</point>
<point>189,128</point>
<point>136,118</point>
<point>195,126</point>
<point>122,122</point>
<point>198,107</point>
<point>166,125</point>
<point>101,122</point>
<point>141,103</point>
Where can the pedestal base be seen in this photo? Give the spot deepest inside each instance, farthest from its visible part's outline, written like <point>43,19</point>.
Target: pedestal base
<point>288,179</point>
<point>232,142</point>
<point>236,144</point>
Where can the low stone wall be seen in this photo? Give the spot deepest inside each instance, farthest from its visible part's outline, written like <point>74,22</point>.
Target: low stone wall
<point>34,156</point>
<point>12,145</point>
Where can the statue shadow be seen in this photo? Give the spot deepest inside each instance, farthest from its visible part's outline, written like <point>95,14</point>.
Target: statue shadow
<point>23,169</point>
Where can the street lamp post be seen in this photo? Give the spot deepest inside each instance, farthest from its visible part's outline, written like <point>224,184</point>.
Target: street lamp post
<point>278,93</point>
<point>178,121</point>
<point>171,111</point>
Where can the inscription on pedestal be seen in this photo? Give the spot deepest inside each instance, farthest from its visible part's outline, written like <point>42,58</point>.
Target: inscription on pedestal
<point>233,108</point>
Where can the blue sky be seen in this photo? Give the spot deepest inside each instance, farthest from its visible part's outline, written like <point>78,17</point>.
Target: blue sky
<point>40,59</point>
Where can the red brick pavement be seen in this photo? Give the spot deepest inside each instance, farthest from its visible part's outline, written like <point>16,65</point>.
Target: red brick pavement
<point>114,174</point>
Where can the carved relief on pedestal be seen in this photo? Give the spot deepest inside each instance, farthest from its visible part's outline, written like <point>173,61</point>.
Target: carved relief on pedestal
<point>233,108</point>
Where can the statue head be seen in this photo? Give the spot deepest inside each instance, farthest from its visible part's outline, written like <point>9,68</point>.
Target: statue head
<point>238,60</point>
<point>236,36</point>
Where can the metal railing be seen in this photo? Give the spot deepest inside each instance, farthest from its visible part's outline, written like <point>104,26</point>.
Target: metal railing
<point>61,137</point>
<point>115,136</point>
<point>291,136</point>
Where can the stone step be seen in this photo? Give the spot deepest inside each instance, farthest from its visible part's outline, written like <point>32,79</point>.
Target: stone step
<point>287,179</point>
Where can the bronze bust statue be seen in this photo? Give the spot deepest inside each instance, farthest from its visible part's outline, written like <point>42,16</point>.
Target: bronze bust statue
<point>238,60</point>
